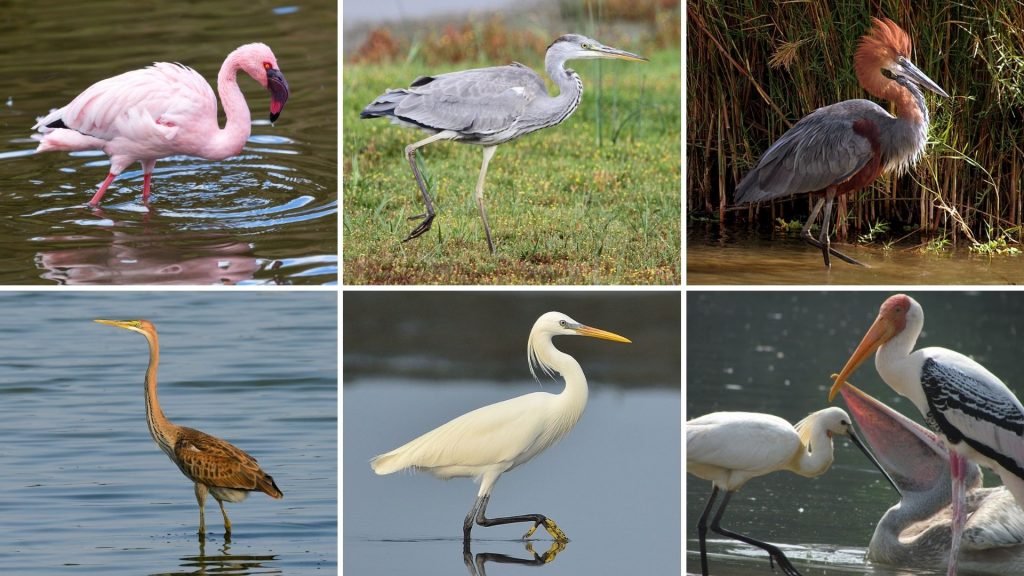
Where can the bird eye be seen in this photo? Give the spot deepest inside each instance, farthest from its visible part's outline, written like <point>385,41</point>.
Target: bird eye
<point>563,323</point>
<point>585,46</point>
<point>267,66</point>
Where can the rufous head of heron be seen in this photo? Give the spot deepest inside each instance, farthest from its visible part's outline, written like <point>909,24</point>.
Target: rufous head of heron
<point>887,47</point>
<point>891,320</point>
<point>577,47</point>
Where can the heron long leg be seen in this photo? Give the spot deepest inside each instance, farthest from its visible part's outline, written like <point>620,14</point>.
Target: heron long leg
<point>201,499</point>
<point>227,522</point>
<point>958,466</point>
<point>428,216</point>
<point>805,233</point>
<point>537,519</point>
<point>467,524</point>
<point>702,531</point>
<point>488,153</point>
<point>773,552</point>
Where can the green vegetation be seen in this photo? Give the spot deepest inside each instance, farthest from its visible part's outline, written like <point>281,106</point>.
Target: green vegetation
<point>755,68</point>
<point>595,200</point>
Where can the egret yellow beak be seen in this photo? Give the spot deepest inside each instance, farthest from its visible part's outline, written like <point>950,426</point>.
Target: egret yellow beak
<point>879,333</point>
<point>596,333</point>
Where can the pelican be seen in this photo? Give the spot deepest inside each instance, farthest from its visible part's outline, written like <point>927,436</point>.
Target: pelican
<point>977,416</point>
<point>916,531</point>
<point>730,448</point>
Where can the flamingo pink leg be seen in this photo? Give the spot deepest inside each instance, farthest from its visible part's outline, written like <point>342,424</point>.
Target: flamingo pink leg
<point>958,465</point>
<point>145,188</point>
<point>103,188</point>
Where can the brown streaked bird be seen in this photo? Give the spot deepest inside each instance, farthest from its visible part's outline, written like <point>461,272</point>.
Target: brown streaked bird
<point>214,465</point>
<point>844,147</point>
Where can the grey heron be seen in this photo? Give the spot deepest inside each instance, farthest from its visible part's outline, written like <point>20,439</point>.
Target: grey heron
<point>488,107</point>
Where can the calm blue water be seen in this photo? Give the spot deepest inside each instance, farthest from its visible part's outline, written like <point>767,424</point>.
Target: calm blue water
<point>612,484</point>
<point>83,488</point>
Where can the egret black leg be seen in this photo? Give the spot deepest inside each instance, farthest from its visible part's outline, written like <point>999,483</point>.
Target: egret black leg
<point>467,524</point>
<point>773,552</point>
<point>488,153</point>
<point>537,519</point>
<point>702,531</point>
<point>428,216</point>
<point>805,233</point>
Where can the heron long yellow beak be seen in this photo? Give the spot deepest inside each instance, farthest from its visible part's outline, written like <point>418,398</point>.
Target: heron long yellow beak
<point>609,52</point>
<point>879,333</point>
<point>127,324</point>
<point>596,333</point>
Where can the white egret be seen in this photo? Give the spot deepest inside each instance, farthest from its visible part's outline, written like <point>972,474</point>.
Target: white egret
<point>975,413</point>
<point>489,441</point>
<point>730,448</point>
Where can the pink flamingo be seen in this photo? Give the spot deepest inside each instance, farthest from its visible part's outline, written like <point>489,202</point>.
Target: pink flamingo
<point>163,110</point>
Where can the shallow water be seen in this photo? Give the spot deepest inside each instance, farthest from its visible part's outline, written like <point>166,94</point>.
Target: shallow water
<point>612,483</point>
<point>773,352</point>
<point>83,487</point>
<point>750,259</point>
<point>266,216</point>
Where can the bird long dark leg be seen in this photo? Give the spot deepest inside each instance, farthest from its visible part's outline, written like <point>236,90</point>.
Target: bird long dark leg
<point>702,531</point>
<point>428,216</point>
<point>773,552</point>
<point>824,246</point>
<point>488,153</point>
<point>537,519</point>
<point>201,499</point>
<point>227,522</point>
<point>467,524</point>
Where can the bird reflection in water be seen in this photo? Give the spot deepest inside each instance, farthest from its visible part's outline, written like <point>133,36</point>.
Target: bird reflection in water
<point>223,562</point>
<point>477,563</point>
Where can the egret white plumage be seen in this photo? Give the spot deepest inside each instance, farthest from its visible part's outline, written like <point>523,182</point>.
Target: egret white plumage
<point>977,416</point>
<point>916,531</point>
<point>163,110</point>
<point>489,441</point>
<point>731,448</point>
<point>488,107</point>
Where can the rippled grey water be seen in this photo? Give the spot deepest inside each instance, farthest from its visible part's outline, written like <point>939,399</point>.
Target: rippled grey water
<point>83,487</point>
<point>266,216</point>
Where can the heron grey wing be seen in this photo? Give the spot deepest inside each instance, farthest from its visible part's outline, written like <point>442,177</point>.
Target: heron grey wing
<point>473,102</point>
<point>819,151</point>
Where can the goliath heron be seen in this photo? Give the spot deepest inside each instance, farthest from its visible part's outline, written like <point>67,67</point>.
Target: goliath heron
<point>846,146</point>
<point>730,448</point>
<point>488,107</point>
<point>215,466</point>
<point>978,417</point>
<point>489,441</point>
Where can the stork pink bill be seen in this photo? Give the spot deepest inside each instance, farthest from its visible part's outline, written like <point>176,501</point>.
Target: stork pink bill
<point>163,110</point>
<point>977,416</point>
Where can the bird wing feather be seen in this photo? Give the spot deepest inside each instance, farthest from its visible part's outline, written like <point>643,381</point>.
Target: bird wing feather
<point>506,433</point>
<point>215,462</point>
<point>819,151</point>
<point>968,403</point>
<point>741,441</point>
<point>479,101</point>
<point>153,101</point>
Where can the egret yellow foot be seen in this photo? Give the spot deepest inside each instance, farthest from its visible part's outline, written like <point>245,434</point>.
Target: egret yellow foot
<point>549,556</point>
<point>551,528</point>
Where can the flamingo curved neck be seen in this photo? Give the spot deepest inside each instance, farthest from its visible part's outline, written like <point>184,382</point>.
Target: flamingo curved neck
<point>229,141</point>
<point>159,427</point>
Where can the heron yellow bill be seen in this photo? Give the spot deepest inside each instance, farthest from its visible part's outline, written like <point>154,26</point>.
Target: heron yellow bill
<point>880,332</point>
<point>584,330</point>
<point>129,324</point>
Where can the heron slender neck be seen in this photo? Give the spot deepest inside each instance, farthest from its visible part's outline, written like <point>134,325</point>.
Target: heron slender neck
<point>555,109</point>
<point>229,141</point>
<point>159,427</point>
<point>903,141</point>
<point>815,454</point>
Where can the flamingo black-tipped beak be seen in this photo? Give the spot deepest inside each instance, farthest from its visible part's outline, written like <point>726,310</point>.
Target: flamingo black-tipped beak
<point>278,88</point>
<point>912,72</point>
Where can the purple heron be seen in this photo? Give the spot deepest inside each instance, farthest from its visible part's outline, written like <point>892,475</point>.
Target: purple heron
<point>214,465</point>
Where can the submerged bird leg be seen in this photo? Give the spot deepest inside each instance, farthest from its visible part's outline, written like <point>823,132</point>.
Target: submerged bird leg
<point>103,189</point>
<point>428,216</point>
<point>227,522</point>
<point>537,519</point>
<point>702,531</point>
<point>773,552</point>
<point>488,153</point>
<point>201,499</point>
<point>958,466</point>
<point>147,175</point>
<point>805,233</point>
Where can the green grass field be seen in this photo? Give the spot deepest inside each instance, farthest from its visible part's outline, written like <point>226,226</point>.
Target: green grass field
<point>595,200</point>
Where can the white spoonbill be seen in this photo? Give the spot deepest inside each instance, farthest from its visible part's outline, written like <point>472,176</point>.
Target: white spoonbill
<point>489,441</point>
<point>916,531</point>
<point>163,110</point>
<point>730,448</point>
<point>975,413</point>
